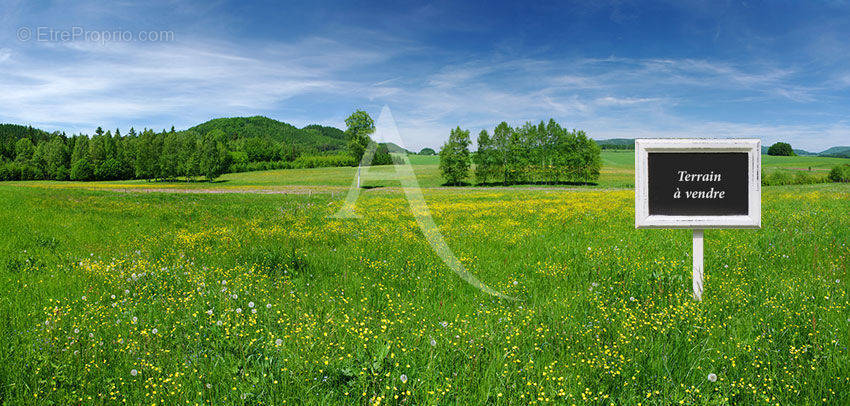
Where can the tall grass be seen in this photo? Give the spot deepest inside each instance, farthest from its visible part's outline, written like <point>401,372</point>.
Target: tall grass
<point>258,299</point>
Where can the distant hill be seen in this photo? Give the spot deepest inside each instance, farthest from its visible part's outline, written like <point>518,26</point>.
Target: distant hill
<point>629,143</point>
<point>837,152</point>
<point>800,152</point>
<point>395,149</point>
<point>617,143</point>
<point>310,137</point>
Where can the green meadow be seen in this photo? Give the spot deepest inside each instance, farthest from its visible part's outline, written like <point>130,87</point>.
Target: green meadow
<point>617,172</point>
<point>166,297</point>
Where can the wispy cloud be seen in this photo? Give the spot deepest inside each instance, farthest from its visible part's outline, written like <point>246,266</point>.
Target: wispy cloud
<point>94,83</point>
<point>319,65</point>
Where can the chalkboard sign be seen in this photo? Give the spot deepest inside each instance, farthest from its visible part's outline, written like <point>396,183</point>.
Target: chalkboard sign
<point>707,183</point>
<point>697,183</point>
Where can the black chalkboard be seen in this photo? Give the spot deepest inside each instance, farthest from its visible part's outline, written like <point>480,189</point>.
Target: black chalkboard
<point>694,184</point>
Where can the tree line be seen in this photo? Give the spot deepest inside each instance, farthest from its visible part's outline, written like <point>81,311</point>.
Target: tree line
<point>542,153</point>
<point>205,151</point>
<point>113,156</point>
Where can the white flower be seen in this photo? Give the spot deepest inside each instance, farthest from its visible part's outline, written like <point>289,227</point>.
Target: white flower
<point>268,306</point>
<point>209,386</point>
<point>238,310</point>
<point>403,378</point>
<point>154,331</point>
<point>254,311</point>
<point>112,297</point>
<point>433,342</point>
<point>134,372</point>
<point>712,377</point>
<point>235,296</point>
<point>135,319</point>
<point>444,323</point>
<point>76,331</point>
<point>126,291</point>
<point>84,298</point>
<point>515,283</point>
<point>278,342</point>
<point>251,304</point>
<point>218,323</point>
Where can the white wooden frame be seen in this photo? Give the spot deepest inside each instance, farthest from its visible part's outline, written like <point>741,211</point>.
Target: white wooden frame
<point>644,146</point>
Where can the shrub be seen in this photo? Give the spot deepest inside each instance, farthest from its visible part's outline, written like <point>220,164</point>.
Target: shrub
<point>840,173</point>
<point>783,177</point>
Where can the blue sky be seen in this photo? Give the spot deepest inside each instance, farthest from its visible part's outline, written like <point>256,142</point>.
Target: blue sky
<point>773,70</point>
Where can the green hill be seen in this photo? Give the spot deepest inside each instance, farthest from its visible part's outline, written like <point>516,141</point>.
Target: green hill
<point>616,143</point>
<point>395,149</point>
<point>837,152</point>
<point>314,136</point>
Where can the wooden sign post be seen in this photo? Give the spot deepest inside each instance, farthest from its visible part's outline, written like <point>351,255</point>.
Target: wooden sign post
<point>697,184</point>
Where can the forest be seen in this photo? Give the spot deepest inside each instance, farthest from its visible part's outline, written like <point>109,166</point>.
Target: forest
<point>205,151</point>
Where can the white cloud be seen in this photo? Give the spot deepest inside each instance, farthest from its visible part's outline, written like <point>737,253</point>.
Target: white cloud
<point>188,81</point>
<point>89,83</point>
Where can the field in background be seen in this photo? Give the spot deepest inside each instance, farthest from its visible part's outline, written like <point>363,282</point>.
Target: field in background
<point>175,298</point>
<point>617,172</point>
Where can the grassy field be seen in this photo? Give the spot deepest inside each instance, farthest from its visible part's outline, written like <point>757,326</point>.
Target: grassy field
<point>245,298</point>
<point>617,172</point>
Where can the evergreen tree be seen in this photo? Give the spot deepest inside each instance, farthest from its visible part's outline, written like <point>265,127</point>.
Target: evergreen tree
<point>147,161</point>
<point>81,148</point>
<point>169,159</point>
<point>213,155</point>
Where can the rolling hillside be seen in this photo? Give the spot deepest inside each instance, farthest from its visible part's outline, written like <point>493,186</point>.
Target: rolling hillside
<point>315,136</point>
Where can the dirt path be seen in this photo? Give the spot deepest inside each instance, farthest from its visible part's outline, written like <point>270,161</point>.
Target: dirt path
<point>341,190</point>
<point>261,191</point>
